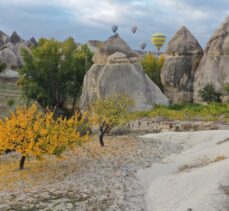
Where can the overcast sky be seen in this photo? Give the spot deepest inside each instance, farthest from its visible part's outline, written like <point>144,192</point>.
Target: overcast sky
<point>92,19</point>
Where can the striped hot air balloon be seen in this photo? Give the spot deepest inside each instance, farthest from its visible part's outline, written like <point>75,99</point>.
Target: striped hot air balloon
<point>158,40</point>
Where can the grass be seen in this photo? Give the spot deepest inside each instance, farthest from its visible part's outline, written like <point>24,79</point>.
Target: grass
<point>210,112</point>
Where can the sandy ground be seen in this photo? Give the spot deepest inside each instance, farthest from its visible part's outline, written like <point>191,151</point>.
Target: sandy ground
<point>189,180</point>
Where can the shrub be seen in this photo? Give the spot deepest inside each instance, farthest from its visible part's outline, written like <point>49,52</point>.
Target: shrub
<point>2,66</point>
<point>110,112</point>
<point>10,102</point>
<point>209,94</point>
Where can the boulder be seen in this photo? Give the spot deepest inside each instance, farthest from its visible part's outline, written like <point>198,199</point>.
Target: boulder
<point>214,66</point>
<point>32,42</point>
<point>3,38</point>
<point>121,73</point>
<point>8,56</point>
<point>177,75</point>
<point>112,45</point>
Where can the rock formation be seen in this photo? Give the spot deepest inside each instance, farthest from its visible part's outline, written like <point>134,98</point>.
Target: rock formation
<point>15,38</point>
<point>184,54</point>
<point>117,70</point>
<point>214,67</point>
<point>10,50</point>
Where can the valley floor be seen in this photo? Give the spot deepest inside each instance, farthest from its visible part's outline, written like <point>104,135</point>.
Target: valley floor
<point>161,172</point>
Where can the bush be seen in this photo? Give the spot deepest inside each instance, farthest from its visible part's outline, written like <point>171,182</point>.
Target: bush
<point>2,66</point>
<point>10,102</point>
<point>109,113</point>
<point>209,94</point>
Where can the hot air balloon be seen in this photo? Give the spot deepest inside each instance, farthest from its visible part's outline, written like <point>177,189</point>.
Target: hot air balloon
<point>143,45</point>
<point>134,29</point>
<point>114,28</point>
<point>158,40</point>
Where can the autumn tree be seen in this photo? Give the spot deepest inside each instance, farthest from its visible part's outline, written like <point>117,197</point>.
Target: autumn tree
<point>32,132</point>
<point>53,73</point>
<point>152,67</point>
<point>110,112</point>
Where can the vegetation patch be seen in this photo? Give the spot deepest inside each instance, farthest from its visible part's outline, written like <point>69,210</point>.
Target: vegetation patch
<point>209,112</point>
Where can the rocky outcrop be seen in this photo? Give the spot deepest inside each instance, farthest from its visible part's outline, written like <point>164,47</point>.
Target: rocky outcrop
<point>214,67</point>
<point>184,54</point>
<point>32,42</point>
<point>117,70</point>
<point>10,49</point>
<point>112,45</point>
<point>15,38</point>
<point>3,38</point>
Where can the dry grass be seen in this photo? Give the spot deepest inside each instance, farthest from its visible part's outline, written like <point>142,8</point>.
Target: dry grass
<point>201,163</point>
<point>54,169</point>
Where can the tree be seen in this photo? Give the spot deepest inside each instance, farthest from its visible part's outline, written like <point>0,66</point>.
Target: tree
<point>32,132</point>
<point>53,72</point>
<point>110,112</point>
<point>152,67</point>
<point>2,66</point>
<point>209,94</point>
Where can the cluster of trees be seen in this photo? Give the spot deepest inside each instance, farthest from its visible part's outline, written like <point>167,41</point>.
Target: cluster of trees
<point>52,76</point>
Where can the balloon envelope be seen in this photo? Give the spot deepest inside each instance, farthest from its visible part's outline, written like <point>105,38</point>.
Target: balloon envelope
<point>134,29</point>
<point>143,45</point>
<point>114,28</point>
<point>158,40</point>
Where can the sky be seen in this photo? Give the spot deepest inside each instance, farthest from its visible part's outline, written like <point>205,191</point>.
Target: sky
<point>92,19</point>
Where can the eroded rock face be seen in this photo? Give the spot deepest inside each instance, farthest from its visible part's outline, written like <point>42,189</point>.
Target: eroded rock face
<point>214,67</point>
<point>15,38</point>
<point>115,71</point>
<point>184,54</point>
<point>112,45</point>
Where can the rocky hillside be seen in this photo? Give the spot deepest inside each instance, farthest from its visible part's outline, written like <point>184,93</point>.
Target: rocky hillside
<point>10,53</point>
<point>10,49</point>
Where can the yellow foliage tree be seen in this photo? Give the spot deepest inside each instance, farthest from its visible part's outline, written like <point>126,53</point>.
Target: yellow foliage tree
<point>110,112</point>
<point>31,132</point>
<point>152,67</point>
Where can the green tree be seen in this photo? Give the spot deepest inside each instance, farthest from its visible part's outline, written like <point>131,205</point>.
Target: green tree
<point>209,94</point>
<point>54,71</point>
<point>152,67</point>
<point>110,112</point>
<point>2,66</point>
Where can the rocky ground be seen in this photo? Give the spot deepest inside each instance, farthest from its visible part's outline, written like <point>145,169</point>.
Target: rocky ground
<point>89,179</point>
<point>195,179</point>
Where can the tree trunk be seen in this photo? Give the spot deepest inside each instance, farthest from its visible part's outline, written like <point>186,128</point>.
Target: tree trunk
<point>22,161</point>
<point>101,139</point>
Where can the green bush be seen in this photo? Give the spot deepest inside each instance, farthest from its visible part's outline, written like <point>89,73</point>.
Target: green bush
<point>209,94</point>
<point>10,102</point>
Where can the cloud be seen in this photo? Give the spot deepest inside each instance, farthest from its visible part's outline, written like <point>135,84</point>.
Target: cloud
<point>90,19</point>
